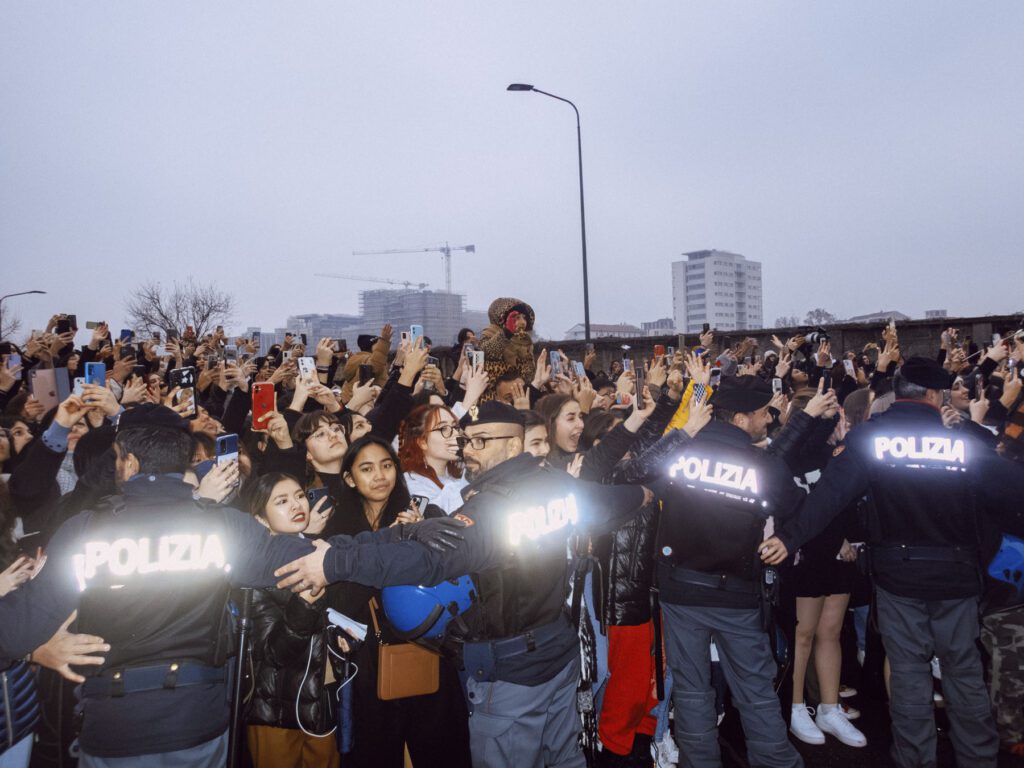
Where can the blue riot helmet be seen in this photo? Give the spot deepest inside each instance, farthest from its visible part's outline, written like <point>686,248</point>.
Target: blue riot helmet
<point>423,613</point>
<point>1008,564</point>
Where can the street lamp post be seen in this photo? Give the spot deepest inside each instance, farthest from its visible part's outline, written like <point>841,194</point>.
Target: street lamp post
<point>583,218</point>
<point>8,296</point>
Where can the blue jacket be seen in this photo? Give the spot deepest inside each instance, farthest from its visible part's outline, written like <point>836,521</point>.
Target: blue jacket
<point>19,705</point>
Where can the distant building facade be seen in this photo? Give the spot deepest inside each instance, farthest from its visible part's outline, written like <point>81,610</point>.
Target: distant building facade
<point>934,314</point>
<point>441,314</point>
<point>602,331</point>
<point>719,288</point>
<point>881,316</point>
<point>663,327</point>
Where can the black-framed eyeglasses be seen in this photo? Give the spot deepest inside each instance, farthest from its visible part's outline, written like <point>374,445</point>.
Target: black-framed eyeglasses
<point>446,430</point>
<point>479,443</point>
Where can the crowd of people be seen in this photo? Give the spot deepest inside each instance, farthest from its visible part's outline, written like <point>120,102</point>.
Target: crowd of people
<point>636,553</point>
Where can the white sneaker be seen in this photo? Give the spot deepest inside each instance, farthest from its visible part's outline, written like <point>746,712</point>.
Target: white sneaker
<point>852,713</point>
<point>835,722</point>
<point>666,753</point>
<point>801,725</point>
<point>846,692</point>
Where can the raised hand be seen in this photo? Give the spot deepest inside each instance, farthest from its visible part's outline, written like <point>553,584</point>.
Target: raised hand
<point>584,393</point>
<point>824,403</point>
<point>697,369</point>
<point>277,427</point>
<point>542,373</point>
<point>697,416</point>
<point>219,482</point>
<point>475,385</point>
<point>657,373</point>
<point>520,397</point>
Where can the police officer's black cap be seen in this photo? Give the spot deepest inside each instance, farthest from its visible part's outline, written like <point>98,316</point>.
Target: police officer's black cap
<point>742,394</point>
<point>926,373</point>
<point>492,412</point>
<point>151,415</point>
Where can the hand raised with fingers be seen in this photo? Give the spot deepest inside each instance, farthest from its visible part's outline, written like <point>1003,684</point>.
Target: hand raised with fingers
<point>520,397</point>
<point>66,649</point>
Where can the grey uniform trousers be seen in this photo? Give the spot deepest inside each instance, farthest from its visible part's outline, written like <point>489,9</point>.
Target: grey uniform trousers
<point>749,669</point>
<point>912,631</point>
<point>526,726</point>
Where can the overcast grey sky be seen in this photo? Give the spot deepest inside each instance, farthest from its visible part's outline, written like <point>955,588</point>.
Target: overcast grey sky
<point>868,153</point>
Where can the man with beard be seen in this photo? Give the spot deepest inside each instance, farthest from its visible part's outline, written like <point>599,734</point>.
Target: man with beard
<point>520,650</point>
<point>150,570</point>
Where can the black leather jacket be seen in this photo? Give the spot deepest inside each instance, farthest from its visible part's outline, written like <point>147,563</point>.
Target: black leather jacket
<point>285,628</point>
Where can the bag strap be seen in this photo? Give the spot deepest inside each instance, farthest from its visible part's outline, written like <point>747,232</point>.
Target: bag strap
<point>373,618</point>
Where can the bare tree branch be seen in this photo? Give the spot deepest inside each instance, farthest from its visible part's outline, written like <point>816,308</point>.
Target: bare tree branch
<point>154,307</point>
<point>787,321</point>
<point>10,324</point>
<point>820,316</point>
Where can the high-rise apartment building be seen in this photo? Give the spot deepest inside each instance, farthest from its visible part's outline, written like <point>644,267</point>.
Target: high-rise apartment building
<point>719,288</point>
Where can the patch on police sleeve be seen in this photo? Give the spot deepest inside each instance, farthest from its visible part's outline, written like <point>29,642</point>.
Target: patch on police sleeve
<point>467,521</point>
<point>839,449</point>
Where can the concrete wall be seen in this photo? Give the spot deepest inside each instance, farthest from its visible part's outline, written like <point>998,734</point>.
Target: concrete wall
<point>917,337</point>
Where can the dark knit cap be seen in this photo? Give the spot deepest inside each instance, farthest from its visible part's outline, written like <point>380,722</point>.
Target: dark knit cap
<point>492,412</point>
<point>365,342</point>
<point>926,373</point>
<point>151,415</point>
<point>742,394</point>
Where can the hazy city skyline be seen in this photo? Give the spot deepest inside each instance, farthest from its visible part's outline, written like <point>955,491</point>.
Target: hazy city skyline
<point>253,144</point>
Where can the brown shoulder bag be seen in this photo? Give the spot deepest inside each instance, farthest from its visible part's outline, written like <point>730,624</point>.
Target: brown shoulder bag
<point>403,669</point>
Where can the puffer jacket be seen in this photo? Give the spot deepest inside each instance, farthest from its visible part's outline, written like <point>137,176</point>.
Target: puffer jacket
<point>284,627</point>
<point>627,553</point>
<point>19,705</point>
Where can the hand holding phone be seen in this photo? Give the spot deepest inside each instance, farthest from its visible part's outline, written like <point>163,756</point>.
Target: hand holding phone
<point>227,451</point>
<point>555,360</point>
<point>264,402</point>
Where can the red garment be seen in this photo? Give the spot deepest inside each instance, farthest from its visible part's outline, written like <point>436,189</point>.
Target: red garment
<point>629,695</point>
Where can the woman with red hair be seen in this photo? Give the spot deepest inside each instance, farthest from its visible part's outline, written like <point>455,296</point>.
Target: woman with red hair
<point>429,451</point>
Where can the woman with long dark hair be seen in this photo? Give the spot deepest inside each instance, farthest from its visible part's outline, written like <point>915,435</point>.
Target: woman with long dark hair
<point>434,727</point>
<point>289,715</point>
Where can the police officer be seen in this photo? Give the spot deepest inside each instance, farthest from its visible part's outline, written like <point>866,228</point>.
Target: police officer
<point>520,650</point>
<point>150,571</point>
<point>717,495</point>
<point>926,486</point>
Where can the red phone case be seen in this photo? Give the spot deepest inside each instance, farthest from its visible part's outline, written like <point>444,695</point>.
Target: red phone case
<point>264,401</point>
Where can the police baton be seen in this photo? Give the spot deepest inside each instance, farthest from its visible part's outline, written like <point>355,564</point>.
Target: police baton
<point>236,725</point>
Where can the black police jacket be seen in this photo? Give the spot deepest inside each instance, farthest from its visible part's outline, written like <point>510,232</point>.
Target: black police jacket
<point>717,493</point>
<point>926,486</point>
<point>164,600</point>
<point>522,514</point>
<point>154,579</point>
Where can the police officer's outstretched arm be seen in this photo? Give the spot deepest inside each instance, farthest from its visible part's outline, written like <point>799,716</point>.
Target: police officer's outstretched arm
<point>32,613</point>
<point>376,559</point>
<point>844,479</point>
<point>606,507</point>
<point>254,553</point>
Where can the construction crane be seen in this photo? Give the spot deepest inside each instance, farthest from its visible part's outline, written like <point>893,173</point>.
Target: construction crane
<point>406,283</point>
<point>443,249</point>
